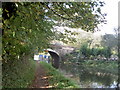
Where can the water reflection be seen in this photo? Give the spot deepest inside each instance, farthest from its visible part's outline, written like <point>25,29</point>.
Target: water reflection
<point>100,78</point>
<point>90,77</point>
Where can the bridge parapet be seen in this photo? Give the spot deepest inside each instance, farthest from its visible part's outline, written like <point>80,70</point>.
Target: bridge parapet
<point>61,49</point>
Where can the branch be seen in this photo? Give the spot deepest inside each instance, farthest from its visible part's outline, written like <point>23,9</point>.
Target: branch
<point>55,12</point>
<point>63,10</point>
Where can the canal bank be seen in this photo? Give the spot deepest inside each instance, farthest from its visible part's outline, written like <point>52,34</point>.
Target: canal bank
<point>57,79</point>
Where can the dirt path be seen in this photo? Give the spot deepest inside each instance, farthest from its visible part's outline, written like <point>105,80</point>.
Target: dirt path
<point>41,80</point>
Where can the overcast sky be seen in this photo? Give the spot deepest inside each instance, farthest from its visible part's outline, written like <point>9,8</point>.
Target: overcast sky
<point>111,8</point>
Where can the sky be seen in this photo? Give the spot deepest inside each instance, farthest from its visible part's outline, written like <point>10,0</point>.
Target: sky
<point>111,8</point>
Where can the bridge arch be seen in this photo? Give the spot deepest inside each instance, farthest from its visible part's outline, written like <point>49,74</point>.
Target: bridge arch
<point>55,58</point>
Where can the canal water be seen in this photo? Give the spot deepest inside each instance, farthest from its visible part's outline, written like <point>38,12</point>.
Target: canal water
<point>91,75</point>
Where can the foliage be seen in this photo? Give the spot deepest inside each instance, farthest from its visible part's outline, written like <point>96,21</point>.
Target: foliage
<point>27,25</point>
<point>57,80</point>
<point>102,51</point>
<point>84,50</point>
<point>25,30</point>
<point>109,40</point>
<point>18,74</point>
<point>107,52</point>
<point>76,14</point>
<point>77,36</point>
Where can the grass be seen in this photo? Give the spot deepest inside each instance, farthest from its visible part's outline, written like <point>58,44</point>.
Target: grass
<point>18,74</point>
<point>57,80</point>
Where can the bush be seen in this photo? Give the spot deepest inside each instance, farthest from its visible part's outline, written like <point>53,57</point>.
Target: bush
<point>18,73</point>
<point>102,51</point>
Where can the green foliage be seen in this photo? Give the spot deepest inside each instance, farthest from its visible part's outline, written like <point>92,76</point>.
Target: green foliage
<point>76,14</point>
<point>18,73</point>
<point>109,40</point>
<point>25,31</point>
<point>27,25</point>
<point>57,80</point>
<point>102,51</point>
<point>84,50</point>
<point>107,52</point>
<point>94,51</point>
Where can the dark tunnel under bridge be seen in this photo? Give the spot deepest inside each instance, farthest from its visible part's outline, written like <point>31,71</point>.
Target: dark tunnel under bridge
<point>55,58</point>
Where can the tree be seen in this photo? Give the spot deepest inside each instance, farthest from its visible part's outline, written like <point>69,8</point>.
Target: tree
<point>76,14</point>
<point>107,52</point>
<point>111,41</point>
<point>24,30</point>
<point>28,25</point>
<point>84,50</point>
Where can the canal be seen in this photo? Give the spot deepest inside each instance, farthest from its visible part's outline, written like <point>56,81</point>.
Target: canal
<point>91,74</point>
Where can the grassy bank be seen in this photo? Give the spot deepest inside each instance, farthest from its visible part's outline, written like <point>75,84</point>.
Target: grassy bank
<point>18,73</point>
<point>56,79</point>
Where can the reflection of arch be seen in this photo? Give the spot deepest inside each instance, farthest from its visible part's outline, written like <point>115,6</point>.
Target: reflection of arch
<point>55,56</point>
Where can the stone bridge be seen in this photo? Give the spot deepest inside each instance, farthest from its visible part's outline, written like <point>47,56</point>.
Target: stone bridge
<point>57,52</point>
<point>55,58</point>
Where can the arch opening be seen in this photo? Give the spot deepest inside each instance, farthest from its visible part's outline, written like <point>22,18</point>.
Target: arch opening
<point>55,58</point>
